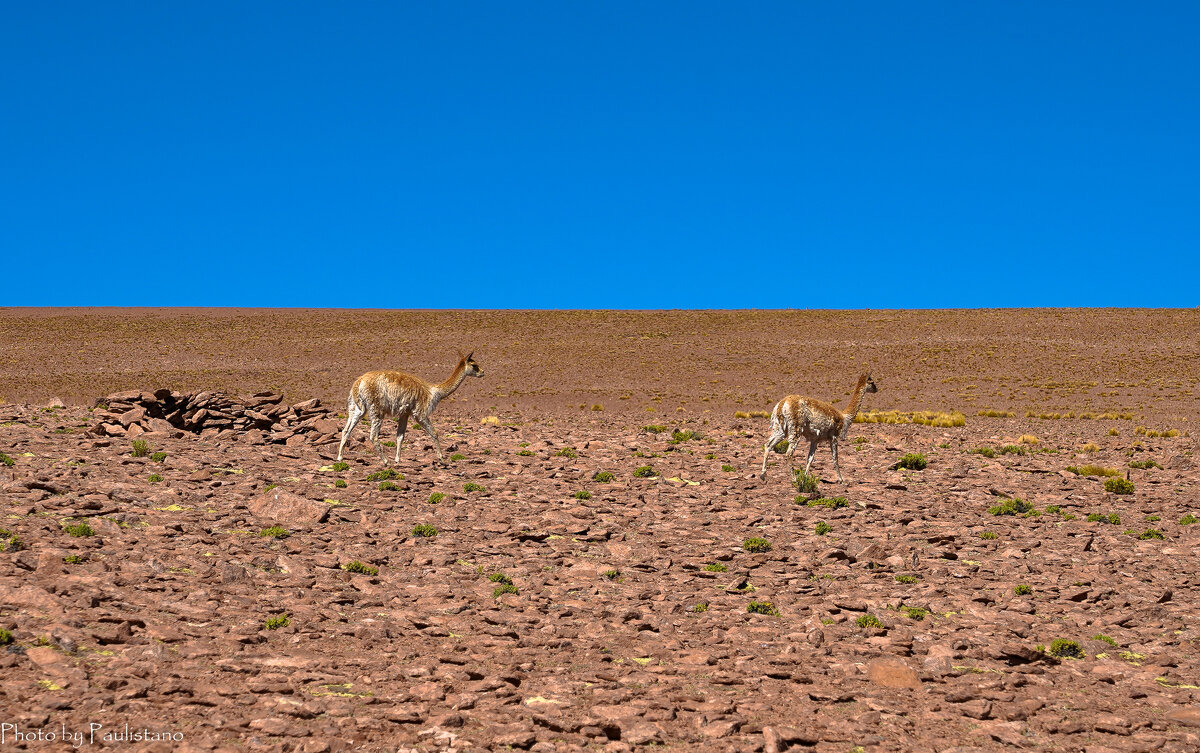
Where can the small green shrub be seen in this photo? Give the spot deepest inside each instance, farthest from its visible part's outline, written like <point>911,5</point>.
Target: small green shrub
<point>471,486</point>
<point>355,566</point>
<point>716,567</point>
<point>340,466</point>
<point>158,457</point>
<point>701,607</point>
<point>762,607</point>
<point>915,613</point>
<point>1022,590</point>
<point>1187,520</point>
<point>1065,649</point>
<point>686,435</point>
<point>269,487</point>
<point>10,542</point>
<point>868,621</point>
<point>458,456</point>
<point>1105,639</point>
<point>654,429</point>
<point>567,452</point>
<point>6,637</point>
<point>907,579</point>
<point>80,530</point>
<point>806,483</point>
<point>583,494</point>
<point>385,475</point>
<point>912,461</point>
<point>6,460</point>
<point>1156,518</point>
<point>1015,506</point>
<point>728,468</point>
<point>436,497</point>
<point>644,471</point>
<point>1144,465</point>
<point>781,448</point>
<point>73,559</point>
<point>388,486</point>
<point>611,574</point>
<point>832,503</point>
<point>1150,533</point>
<point>1053,509</point>
<point>603,477</point>
<point>277,622</point>
<point>1012,449</point>
<point>339,483</point>
<point>822,528</point>
<point>424,530</point>
<point>989,535</point>
<point>500,578</point>
<point>141,448</point>
<point>507,588</point>
<point>154,478</point>
<point>756,545</point>
<point>275,532</point>
<point>1118,486</point>
<point>525,453</point>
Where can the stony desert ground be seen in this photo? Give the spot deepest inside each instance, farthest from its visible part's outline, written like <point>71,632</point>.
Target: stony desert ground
<point>914,619</point>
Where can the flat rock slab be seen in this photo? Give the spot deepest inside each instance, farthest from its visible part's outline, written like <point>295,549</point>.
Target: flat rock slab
<point>285,508</point>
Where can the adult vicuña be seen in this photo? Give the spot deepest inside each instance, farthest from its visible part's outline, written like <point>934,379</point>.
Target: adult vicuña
<point>796,416</point>
<point>394,394</point>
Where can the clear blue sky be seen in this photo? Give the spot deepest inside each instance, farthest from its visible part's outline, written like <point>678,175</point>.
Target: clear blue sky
<point>600,155</point>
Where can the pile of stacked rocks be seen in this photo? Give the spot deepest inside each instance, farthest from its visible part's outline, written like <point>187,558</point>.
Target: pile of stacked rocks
<point>261,418</point>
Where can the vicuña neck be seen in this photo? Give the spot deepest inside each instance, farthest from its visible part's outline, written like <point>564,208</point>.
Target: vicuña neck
<point>855,402</point>
<point>450,385</point>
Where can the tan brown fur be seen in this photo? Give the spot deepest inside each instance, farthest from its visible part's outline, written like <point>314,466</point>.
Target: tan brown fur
<point>795,416</point>
<point>381,395</point>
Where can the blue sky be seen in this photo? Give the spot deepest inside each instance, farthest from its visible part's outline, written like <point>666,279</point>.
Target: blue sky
<point>601,155</point>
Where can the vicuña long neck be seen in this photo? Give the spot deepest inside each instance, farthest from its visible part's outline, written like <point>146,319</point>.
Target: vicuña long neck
<point>855,402</point>
<point>448,387</point>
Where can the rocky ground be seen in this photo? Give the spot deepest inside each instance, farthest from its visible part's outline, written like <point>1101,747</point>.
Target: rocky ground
<point>628,625</point>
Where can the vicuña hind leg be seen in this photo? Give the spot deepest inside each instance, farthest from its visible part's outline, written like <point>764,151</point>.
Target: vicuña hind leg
<point>354,415</point>
<point>401,428</point>
<point>774,439</point>
<point>791,453</point>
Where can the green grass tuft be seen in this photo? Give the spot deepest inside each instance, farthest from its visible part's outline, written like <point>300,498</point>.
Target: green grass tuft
<point>1118,486</point>
<point>355,566</point>
<point>603,477</point>
<point>822,528</point>
<point>644,471</point>
<point>1015,506</point>
<point>912,461</point>
<point>762,607</point>
<point>141,448</point>
<point>716,567</point>
<point>275,532</point>
<point>1065,649</point>
<point>274,623</point>
<point>424,530</point>
<point>80,530</point>
<point>868,621</point>
<point>756,545</point>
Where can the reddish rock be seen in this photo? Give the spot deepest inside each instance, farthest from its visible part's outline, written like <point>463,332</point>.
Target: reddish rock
<point>288,509</point>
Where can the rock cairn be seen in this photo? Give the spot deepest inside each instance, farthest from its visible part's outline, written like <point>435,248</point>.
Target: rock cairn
<point>263,417</point>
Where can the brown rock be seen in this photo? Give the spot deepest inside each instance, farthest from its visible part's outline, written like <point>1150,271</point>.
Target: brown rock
<point>893,673</point>
<point>285,508</point>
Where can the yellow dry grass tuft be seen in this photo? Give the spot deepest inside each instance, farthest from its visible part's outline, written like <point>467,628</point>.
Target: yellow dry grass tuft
<point>752,414</point>
<point>924,418</point>
<point>1028,439</point>
<point>993,413</point>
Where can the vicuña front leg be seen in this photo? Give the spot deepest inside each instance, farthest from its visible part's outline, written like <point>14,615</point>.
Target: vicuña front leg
<point>427,425</point>
<point>836,466</point>
<point>812,453</point>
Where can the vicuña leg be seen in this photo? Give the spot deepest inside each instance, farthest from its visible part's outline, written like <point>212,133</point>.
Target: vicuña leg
<point>812,453</point>
<point>353,416</point>
<point>791,452</point>
<point>376,425</point>
<point>836,466</point>
<point>776,436</point>
<point>427,425</point>
<point>401,429</point>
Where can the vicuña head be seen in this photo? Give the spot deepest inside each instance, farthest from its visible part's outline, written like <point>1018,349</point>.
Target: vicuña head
<point>394,394</point>
<point>796,416</point>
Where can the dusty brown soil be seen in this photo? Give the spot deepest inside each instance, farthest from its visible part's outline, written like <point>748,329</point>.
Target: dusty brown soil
<point>158,620</point>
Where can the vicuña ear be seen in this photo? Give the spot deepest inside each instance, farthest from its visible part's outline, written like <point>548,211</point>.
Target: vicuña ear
<point>470,354</point>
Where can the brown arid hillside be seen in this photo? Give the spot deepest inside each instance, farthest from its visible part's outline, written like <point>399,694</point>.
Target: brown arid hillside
<point>598,566</point>
<point>1046,360</point>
